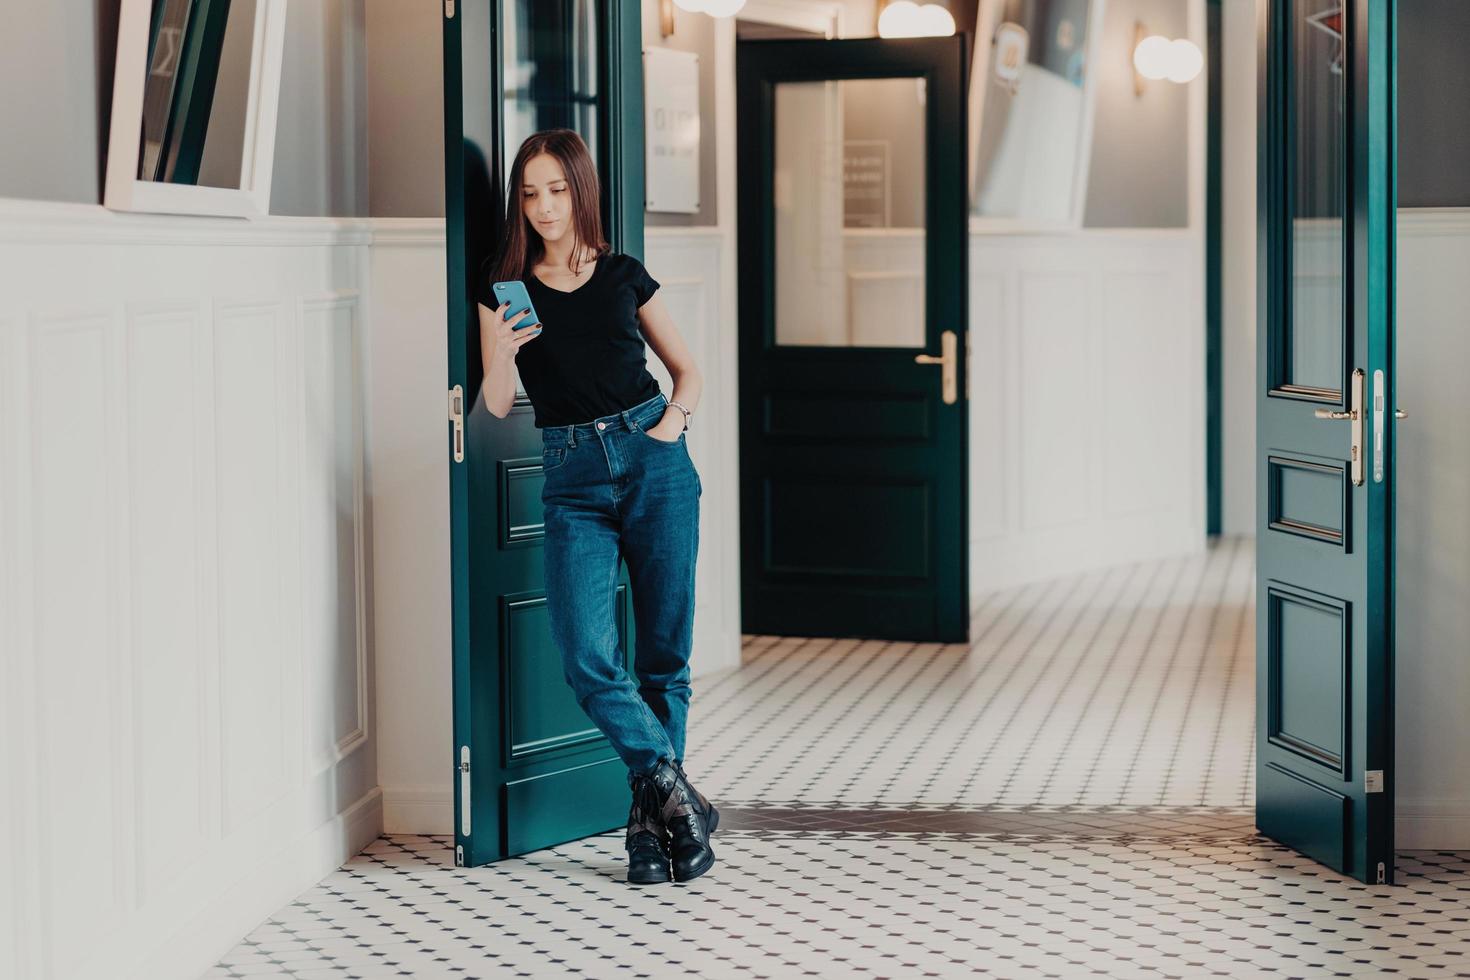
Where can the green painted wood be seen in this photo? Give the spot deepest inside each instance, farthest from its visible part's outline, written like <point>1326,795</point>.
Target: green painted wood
<point>853,473</point>
<point>540,773</point>
<point>206,41</point>
<point>1325,603</point>
<point>193,93</point>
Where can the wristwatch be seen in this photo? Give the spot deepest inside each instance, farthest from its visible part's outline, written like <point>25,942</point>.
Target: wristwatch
<point>687,414</point>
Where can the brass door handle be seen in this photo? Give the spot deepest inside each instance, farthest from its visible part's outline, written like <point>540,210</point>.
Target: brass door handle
<point>948,363</point>
<point>1354,414</point>
<point>1399,413</point>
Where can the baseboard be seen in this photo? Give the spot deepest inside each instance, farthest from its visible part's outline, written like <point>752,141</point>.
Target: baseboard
<point>419,810</point>
<point>274,880</point>
<point>1432,825</point>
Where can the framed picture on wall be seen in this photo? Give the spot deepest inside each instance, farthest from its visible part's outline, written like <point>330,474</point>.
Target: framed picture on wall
<point>671,102</point>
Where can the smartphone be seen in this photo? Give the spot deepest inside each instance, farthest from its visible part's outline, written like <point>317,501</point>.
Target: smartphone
<point>514,293</point>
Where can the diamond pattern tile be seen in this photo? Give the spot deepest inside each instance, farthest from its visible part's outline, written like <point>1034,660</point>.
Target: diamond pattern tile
<point>1066,796</point>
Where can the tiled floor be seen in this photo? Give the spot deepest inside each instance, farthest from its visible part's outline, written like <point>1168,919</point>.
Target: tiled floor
<point>1067,796</point>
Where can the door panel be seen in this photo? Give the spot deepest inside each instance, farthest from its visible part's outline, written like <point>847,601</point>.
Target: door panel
<point>853,265</point>
<point>1324,650</point>
<point>531,769</point>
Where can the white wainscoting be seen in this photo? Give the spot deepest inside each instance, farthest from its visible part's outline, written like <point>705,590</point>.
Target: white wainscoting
<point>1087,402</point>
<point>410,504</point>
<point>688,264</point>
<point>187,672</point>
<point>1432,534</point>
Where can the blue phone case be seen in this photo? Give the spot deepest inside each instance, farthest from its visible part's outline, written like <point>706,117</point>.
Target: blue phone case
<point>514,292</point>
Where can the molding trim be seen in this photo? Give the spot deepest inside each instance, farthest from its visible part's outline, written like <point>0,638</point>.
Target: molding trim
<point>1431,825</point>
<point>818,16</point>
<point>58,222</point>
<point>1433,222</point>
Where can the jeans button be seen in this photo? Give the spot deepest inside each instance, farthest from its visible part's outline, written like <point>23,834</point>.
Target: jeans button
<point>602,425</point>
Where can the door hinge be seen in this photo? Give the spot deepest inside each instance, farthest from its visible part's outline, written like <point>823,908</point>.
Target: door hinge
<point>456,416</point>
<point>464,790</point>
<point>1382,874</point>
<point>459,855</point>
<point>1373,781</point>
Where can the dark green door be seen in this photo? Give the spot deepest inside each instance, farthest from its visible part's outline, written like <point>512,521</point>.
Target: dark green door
<point>530,769</point>
<point>853,265</point>
<point>1324,641</point>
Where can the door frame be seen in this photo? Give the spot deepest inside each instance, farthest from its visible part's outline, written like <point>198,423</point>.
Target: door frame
<point>950,613</point>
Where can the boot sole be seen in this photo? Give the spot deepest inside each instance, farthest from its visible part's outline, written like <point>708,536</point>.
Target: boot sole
<point>648,881</point>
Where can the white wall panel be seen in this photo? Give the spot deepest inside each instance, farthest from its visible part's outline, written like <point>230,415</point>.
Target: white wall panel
<point>166,526</point>
<point>162,502</point>
<point>688,264</point>
<point>1054,397</point>
<point>78,744</point>
<point>254,650</point>
<point>988,380</point>
<point>336,683</point>
<point>1087,404</point>
<point>1142,395</point>
<point>408,471</point>
<point>1432,532</point>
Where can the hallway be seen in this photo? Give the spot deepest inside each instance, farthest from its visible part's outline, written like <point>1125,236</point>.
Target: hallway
<point>1070,795</point>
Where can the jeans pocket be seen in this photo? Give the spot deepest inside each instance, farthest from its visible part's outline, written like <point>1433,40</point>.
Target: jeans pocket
<point>552,457</point>
<point>660,442</point>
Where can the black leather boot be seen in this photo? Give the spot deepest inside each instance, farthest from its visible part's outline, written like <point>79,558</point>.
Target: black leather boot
<point>711,815</point>
<point>646,840</point>
<point>686,815</point>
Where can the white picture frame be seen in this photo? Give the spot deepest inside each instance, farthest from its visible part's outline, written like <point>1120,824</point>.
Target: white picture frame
<point>123,191</point>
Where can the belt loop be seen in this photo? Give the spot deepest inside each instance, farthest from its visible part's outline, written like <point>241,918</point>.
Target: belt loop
<point>571,437</point>
<point>628,422</point>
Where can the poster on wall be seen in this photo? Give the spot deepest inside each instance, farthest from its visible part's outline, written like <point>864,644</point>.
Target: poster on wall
<point>671,106</point>
<point>865,184</point>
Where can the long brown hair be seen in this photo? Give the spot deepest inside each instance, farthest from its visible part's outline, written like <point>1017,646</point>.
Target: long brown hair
<point>522,247</point>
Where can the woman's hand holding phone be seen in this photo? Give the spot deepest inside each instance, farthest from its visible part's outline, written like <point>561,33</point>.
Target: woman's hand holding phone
<point>509,340</point>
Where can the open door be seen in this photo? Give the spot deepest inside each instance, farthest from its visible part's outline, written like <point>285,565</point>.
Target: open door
<point>531,770</point>
<point>1324,575</point>
<point>853,337</point>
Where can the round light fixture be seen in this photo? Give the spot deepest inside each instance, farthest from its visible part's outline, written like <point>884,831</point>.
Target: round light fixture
<point>1154,56</point>
<point>1186,61</point>
<point>903,18</point>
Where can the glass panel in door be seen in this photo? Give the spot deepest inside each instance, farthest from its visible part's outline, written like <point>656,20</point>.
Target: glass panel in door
<point>1312,354</point>
<point>849,200</point>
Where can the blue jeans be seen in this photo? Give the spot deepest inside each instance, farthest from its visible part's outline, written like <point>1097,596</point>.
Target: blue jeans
<point>612,490</point>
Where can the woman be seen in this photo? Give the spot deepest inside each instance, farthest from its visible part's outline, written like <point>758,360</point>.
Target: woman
<point>618,481</point>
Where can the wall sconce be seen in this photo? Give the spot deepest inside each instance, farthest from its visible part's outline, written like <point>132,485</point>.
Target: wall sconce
<point>715,8</point>
<point>1156,57</point>
<point>903,18</point>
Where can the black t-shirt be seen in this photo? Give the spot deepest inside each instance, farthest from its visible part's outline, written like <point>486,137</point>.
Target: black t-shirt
<point>590,359</point>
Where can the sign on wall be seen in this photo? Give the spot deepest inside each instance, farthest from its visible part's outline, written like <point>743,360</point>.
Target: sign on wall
<point>865,184</point>
<point>671,102</point>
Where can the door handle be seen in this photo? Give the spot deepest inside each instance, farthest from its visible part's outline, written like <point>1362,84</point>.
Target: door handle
<point>1399,413</point>
<point>1354,414</point>
<point>947,361</point>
